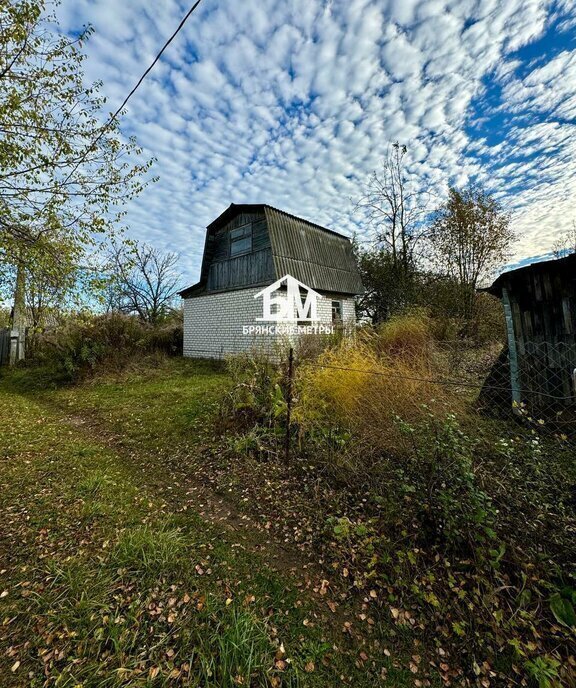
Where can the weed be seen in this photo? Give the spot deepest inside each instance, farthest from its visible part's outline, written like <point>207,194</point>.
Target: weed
<point>149,552</point>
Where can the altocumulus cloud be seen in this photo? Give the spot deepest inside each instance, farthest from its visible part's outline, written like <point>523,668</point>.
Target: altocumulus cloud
<point>294,103</point>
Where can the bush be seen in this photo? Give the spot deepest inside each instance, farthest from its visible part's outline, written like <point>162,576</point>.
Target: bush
<point>103,343</point>
<point>256,395</point>
<point>366,383</point>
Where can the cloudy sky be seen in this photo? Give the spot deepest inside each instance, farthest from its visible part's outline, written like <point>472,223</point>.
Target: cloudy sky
<point>294,102</point>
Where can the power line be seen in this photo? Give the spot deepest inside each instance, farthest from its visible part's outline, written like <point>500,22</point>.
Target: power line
<point>135,88</point>
<point>148,70</point>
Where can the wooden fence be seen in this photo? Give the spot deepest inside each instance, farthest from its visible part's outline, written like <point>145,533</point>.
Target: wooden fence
<point>4,345</point>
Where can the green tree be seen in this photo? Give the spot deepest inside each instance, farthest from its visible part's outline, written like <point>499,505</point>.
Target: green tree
<point>388,290</point>
<point>65,171</point>
<point>470,238</point>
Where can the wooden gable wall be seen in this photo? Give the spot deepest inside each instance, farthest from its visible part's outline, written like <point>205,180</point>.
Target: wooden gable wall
<point>223,271</point>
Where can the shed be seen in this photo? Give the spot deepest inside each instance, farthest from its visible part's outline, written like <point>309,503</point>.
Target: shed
<point>539,303</point>
<point>249,249</point>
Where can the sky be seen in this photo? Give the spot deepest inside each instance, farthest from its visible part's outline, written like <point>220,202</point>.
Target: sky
<point>295,102</point>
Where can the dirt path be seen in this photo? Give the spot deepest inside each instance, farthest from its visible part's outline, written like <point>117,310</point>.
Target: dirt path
<point>183,489</point>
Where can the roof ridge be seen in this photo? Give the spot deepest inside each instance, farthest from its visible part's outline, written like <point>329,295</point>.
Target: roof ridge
<point>303,219</point>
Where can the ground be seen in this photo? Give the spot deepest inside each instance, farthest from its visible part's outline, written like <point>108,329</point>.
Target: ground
<point>127,560</point>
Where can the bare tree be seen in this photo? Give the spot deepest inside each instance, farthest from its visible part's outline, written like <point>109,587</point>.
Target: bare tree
<point>143,281</point>
<point>396,208</point>
<point>566,243</point>
<point>471,237</point>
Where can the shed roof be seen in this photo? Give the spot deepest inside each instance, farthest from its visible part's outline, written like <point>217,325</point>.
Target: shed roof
<point>319,257</point>
<point>554,264</point>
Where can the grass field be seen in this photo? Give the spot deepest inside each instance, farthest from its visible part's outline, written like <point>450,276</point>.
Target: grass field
<point>119,566</point>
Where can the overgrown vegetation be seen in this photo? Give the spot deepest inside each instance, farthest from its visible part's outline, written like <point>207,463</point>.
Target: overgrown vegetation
<point>445,539</point>
<point>107,343</point>
<point>461,528</point>
<point>109,576</point>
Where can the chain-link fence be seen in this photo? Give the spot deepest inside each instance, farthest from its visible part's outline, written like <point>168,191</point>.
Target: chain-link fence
<point>536,390</point>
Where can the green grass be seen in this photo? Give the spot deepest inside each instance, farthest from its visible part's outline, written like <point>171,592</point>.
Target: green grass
<point>109,580</point>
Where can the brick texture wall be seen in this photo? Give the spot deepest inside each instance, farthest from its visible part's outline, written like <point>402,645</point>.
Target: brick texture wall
<point>213,324</point>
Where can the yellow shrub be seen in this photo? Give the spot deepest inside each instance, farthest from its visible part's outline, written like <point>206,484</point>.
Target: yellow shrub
<point>364,385</point>
<point>407,337</point>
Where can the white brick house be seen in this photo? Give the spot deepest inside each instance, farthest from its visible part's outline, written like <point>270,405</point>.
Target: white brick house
<point>248,249</point>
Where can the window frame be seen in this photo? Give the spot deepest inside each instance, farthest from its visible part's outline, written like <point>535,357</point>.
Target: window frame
<point>337,318</point>
<point>246,235</point>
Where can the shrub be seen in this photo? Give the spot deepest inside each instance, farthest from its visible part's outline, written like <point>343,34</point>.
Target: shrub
<point>106,343</point>
<point>255,395</point>
<point>366,383</point>
<point>408,338</point>
<point>167,338</point>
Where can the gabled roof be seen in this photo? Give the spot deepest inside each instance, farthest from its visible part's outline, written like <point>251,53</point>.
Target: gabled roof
<point>320,258</point>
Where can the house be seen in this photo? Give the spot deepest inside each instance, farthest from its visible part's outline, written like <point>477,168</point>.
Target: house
<point>267,277</point>
<point>539,303</point>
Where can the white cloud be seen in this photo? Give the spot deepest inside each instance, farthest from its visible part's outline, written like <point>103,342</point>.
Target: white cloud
<point>294,104</point>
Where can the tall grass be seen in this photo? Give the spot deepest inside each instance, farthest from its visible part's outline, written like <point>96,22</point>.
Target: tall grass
<point>366,384</point>
<point>105,343</point>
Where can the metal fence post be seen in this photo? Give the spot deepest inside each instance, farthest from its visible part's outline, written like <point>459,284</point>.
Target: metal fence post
<point>288,406</point>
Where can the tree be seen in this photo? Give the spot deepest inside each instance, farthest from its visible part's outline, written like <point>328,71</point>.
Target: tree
<point>47,293</point>
<point>383,294</point>
<point>64,170</point>
<point>143,281</point>
<point>396,208</point>
<point>566,243</point>
<point>471,237</point>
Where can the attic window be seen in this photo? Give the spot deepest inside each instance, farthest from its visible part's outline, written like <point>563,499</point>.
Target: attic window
<point>241,240</point>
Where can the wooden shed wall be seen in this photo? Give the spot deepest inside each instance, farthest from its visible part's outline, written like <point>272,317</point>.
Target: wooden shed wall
<point>543,308</point>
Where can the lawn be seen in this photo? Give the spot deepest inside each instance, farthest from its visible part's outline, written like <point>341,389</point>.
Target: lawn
<point>120,565</point>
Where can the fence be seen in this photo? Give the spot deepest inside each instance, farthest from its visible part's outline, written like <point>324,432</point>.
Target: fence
<point>540,394</point>
<point>4,346</point>
<point>12,345</point>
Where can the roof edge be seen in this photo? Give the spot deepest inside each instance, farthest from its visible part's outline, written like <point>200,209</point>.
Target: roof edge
<point>496,287</point>
<point>254,207</point>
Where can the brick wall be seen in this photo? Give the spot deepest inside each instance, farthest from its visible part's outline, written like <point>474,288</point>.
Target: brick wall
<point>213,324</point>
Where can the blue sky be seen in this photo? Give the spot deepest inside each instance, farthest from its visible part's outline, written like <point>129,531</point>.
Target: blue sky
<point>294,102</point>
